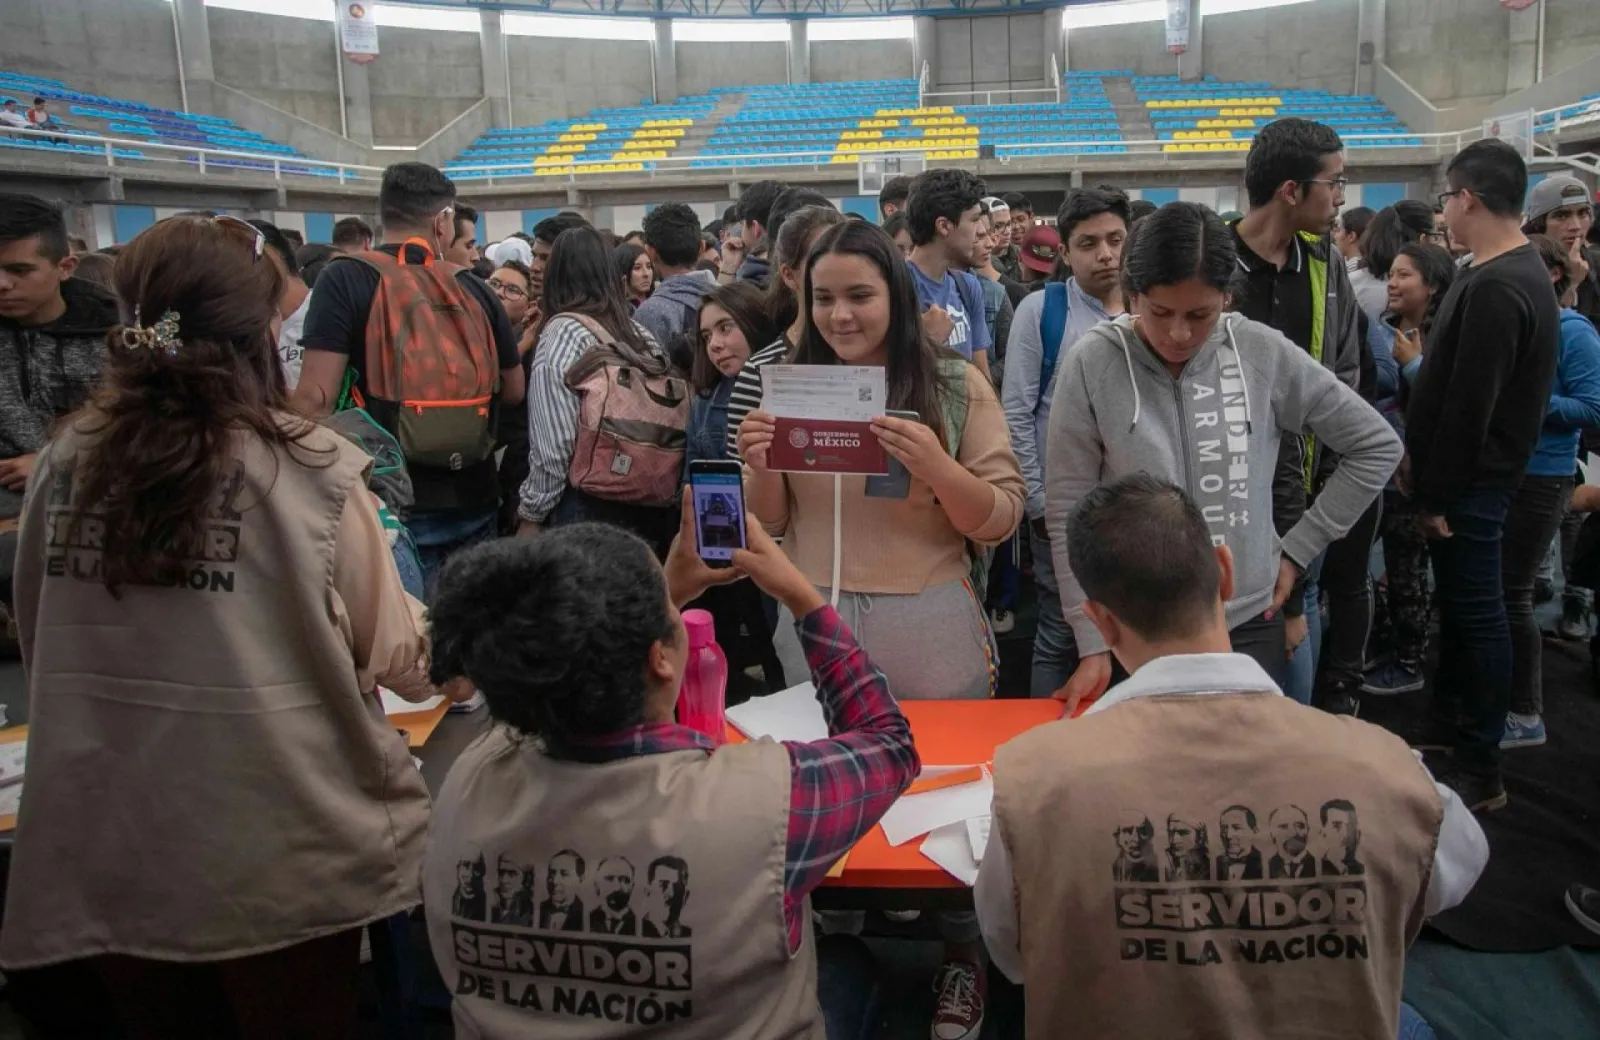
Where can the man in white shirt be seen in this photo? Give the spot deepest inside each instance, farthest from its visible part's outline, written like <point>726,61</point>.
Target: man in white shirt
<point>294,305</point>
<point>12,116</point>
<point>1203,952</point>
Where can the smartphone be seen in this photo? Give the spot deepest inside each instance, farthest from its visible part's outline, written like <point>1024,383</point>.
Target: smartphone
<point>718,490</point>
<point>897,482</point>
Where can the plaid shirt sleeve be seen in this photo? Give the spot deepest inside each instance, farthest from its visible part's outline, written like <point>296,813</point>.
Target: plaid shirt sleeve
<point>842,786</point>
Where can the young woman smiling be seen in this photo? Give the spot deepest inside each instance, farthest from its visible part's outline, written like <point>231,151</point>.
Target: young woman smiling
<point>903,558</point>
<point>1202,398</point>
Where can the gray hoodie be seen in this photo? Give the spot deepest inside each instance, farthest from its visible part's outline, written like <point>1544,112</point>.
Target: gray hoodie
<point>1213,431</point>
<point>674,305</point>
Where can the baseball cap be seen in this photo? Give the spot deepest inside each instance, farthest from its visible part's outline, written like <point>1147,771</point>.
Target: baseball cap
<point>1039,249</point>
<point>995,203</point>
<point>510,249</point>
<point>1554,192</point>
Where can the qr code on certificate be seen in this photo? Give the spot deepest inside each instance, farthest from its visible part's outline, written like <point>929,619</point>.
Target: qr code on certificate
<point>863,394</point>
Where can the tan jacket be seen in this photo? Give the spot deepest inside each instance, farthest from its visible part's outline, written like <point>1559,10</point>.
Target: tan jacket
<point>904,545</point>
<point>1220,864</point>
<point>209,775</point>
<point>579,901</point>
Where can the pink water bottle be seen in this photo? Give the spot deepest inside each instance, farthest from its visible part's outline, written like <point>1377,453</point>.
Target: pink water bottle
<point>705,678</point>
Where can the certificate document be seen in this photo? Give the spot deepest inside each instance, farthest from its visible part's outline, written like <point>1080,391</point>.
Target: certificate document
<point>824,417</point>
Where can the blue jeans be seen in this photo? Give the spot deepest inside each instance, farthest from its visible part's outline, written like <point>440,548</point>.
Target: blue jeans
<point>1412,1025</point>
<point>440,533</point>
<point>1005,576</point>
<point>847,987</point>
<point>1055,652</point>
<point>1474,635</point>
<point>409,565</point>
<point>1303,665</point>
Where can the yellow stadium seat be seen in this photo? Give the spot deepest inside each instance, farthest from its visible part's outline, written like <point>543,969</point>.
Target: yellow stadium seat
<point>1186,148</point>
<point>1169,148</point>
<point>970,153</point>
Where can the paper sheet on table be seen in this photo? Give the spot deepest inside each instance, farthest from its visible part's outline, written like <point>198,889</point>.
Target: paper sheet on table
<point>792,714</point>
<point>916,814</point>
<point>842,393</point>
<point>978,835</point>
<point>394,704</point>
<point>949,847</point>
<point>12,757</point>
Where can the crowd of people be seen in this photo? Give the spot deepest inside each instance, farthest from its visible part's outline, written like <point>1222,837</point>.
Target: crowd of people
<point>251,480</point>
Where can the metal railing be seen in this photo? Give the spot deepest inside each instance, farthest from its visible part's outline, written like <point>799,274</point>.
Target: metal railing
<point>216,161</point>
<point>205,160</point>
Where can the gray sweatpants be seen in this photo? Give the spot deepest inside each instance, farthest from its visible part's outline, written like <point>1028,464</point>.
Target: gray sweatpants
<point>934,645</point>
<point>931,645</point>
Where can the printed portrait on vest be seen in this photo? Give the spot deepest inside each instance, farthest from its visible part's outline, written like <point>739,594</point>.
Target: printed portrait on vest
<point>563,911</point>
<point>613,883</point>
<point>1240,859</point>
<point>1341,838</point>
<point>1290,836</point>
<point>513,893</point>
<point>666,891</point>
<point>471,899</point>
<point>1188,855</point>
<point>1136,851</point>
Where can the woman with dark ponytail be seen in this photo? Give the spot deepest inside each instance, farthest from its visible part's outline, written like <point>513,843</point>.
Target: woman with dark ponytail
<point>207,604</point>
<point>1184,391</point>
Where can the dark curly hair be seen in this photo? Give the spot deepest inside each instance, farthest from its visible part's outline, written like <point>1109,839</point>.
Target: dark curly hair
<point>555,630</point>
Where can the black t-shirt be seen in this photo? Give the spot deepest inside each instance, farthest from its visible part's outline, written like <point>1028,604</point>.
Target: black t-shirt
<point>1277,297</point>
<point>1480,400</point>
<point>337,322</point>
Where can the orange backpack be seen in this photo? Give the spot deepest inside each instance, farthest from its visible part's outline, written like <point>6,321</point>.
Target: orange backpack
<point>432,370</point>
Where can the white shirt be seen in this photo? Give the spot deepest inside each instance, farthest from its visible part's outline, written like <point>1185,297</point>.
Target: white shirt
<point>16,119</point>
<point>1458,859</point>
<point>290,353</point>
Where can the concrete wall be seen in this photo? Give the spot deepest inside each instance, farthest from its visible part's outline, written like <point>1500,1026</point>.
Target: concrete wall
<point>120,48</point>
<point>1571,33</point>
<point>286,62</point>
<point>1453,52</point>
<point>289,63</point>
<point>833,61</point>
<point>1307,46</point>
<point>408,108</point>
<point>1141,47</point>
<point>554,79</point>
<point>991,53</point>
<point>702,66</point>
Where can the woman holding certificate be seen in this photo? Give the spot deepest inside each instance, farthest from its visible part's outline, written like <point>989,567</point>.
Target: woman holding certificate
<point>901,547</point>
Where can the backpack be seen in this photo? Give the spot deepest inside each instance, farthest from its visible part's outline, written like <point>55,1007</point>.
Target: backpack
<point>1052,328</point>
<point>633,413</point>
<point>432,372</point>
<point>954,405</point>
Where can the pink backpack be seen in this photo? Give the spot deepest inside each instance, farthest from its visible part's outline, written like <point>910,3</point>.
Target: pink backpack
<point>633,410</point>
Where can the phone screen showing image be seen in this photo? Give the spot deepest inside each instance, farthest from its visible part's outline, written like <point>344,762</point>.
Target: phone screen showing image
<point>718,513</point>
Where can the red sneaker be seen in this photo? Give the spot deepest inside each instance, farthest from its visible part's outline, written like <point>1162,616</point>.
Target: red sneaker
<point>959,1013</point>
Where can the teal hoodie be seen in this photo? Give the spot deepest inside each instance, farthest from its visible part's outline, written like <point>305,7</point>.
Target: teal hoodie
<point>1213,431</point>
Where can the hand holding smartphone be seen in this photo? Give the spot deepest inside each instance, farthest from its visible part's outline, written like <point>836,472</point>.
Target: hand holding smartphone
<point>718,491</point>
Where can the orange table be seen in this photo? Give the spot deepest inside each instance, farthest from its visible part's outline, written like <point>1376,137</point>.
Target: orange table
<point>948,733</point>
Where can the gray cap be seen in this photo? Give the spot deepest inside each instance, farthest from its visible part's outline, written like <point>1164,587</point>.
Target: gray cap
<point>1555,192</point>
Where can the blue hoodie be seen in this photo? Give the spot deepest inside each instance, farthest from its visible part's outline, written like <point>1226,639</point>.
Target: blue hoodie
<point>1574,399</point>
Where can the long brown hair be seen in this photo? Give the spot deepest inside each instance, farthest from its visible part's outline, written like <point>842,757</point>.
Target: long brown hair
<point>746,305</point>
<point>165,415</point>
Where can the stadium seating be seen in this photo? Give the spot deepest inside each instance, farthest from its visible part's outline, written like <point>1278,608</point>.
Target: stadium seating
<point>815,123</point>
<point>1586,110</point>
<point>114,117</point>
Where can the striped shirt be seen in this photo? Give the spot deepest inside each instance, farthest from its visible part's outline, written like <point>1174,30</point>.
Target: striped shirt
<point>746,395</point>
<point>553,413</point>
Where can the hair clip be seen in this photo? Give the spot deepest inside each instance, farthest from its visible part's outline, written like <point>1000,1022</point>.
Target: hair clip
<point>162,335</point>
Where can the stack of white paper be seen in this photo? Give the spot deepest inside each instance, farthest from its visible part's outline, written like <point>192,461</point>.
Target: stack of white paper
<point>12,757</point>
<point>394,704</point>
<point>793,714</point>
<point>914,815</point>
<point>949,847</point>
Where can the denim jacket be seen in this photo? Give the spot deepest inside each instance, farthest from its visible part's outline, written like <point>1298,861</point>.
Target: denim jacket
<point>708,425</point>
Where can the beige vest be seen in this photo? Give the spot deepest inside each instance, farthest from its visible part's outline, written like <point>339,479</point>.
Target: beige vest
<point>205,778</point>
<point>569,900</point>
<point>1215,865</point>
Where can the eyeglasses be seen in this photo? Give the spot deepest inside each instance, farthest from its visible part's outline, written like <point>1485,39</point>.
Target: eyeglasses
<point>515,292</point>
<point>1438,238</point>
<point>1337,183</point>
<point>260,237</point>
<point>1445,196</point>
